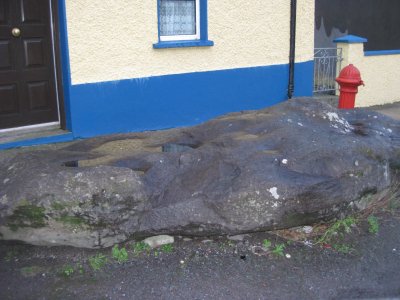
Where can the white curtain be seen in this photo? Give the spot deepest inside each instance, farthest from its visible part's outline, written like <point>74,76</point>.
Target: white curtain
<point>177,17</point>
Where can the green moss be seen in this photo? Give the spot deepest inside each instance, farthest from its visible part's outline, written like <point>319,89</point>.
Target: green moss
<point>73,220</point>
<point>57,206</point>
<point>27,216</point>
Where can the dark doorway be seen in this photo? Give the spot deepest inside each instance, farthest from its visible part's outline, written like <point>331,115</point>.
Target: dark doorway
<point>28,90</point>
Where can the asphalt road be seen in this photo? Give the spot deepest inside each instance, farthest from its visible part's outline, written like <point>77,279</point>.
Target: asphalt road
<point>215,269</point>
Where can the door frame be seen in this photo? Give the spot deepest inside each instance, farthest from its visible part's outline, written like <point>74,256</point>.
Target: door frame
<point>56,40</point>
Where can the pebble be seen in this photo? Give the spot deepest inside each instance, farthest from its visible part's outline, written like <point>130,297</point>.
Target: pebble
<point>206,241</point>
<point>308,229</point>
<point>288,255</point>
<point>239,237</point>
<point>308,243</point>
<point>159,240</point>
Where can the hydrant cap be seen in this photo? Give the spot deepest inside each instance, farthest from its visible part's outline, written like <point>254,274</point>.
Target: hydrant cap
<point>350,72</point>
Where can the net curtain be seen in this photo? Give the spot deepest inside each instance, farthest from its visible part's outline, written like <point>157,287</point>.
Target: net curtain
<point>177,17</point>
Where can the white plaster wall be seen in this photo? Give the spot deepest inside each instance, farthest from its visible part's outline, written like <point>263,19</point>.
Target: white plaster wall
<point>305,30</point>
<point>112,40</point>
<point>381,75</point>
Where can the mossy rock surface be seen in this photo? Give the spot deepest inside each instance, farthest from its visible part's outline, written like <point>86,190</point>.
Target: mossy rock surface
<point>27,216</point>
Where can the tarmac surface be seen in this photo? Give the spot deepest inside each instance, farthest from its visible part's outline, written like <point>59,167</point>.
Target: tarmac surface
<point>366,266</point>
<point>359,262</point>
<point>391,110</point>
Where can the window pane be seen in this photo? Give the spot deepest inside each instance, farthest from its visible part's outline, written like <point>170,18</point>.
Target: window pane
<point>177,17</point>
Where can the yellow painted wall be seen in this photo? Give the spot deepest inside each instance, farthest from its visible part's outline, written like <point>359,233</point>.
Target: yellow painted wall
<point>381,75</point>
<point>112,40</point>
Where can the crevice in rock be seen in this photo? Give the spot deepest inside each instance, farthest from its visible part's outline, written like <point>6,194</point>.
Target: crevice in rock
<point>178,147</point>
<point>71,164</point>
<point>359,129</point>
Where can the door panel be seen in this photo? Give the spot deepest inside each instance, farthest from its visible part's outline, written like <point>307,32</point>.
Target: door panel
<point>31,11</point>
<point>8,94</point>
<point>27,73</point>
<point>33,50</point>
<point>5,55</point>
<point>38,95</point>
<point>4,12</point>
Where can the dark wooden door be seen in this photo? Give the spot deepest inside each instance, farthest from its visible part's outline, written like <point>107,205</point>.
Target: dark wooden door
<point>27,74</point>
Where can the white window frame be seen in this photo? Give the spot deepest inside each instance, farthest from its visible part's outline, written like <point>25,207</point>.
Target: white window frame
<point>186,37</point>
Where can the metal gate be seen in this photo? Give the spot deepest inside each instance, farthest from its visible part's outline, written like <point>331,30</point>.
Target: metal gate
<point>327,63</point>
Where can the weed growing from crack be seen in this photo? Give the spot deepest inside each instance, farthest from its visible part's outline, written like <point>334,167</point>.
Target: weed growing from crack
<point>80,269</point>
<point>335,233</point>
<point>226,244</point>
<point>343,248</point>
<point>278,250</point>
<point>12,254</point>
<point>120,255</point>
<point>98,261</point>
<point>31,271</point>
<point>140,247</point>
<point>269,248</point>
<point>168,248</point>
<point>373,224</point>
<point>340,227</point>
<point>266,244</point>
<point>67,271</point>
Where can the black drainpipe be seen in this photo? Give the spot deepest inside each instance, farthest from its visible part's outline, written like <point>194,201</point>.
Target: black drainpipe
<point>292,54</point>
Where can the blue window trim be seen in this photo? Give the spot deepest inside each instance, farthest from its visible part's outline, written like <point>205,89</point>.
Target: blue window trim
<point>183,44</point>
<point>202,42</point>
<point>381,52</point>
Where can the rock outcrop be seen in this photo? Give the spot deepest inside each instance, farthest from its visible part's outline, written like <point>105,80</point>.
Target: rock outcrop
<point>296,163</point>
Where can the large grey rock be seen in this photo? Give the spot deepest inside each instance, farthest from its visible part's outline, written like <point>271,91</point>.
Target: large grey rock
<point>289,165</point>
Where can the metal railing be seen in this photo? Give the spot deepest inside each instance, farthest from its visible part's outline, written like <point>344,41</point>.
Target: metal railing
<point>327,63</point>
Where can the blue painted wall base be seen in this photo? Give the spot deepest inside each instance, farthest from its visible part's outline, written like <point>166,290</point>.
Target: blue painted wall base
<point>62,138</point>
<point>162,102</point>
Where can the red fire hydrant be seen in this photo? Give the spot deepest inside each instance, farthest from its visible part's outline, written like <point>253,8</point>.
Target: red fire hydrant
<point>349,80</point>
